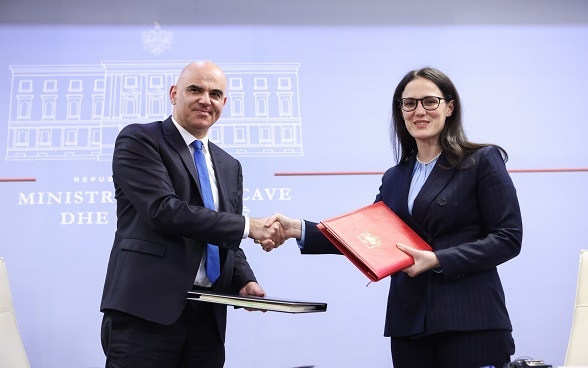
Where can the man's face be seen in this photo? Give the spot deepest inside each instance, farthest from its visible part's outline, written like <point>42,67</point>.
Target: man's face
<point>199,97</point>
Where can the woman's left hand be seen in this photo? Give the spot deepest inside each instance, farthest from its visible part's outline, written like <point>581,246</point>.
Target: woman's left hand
<point>424,260</point>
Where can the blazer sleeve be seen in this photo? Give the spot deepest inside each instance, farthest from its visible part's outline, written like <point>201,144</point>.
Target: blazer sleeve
<point>315,242</point>
<point>494,234</point>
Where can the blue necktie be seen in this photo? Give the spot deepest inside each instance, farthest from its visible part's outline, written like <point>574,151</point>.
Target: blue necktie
<point>212,258</point>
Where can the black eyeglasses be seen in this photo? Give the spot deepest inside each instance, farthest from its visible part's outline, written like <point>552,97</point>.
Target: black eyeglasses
<point>428,102</point>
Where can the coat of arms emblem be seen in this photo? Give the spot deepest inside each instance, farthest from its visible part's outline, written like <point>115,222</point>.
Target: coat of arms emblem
<point>369,239</point>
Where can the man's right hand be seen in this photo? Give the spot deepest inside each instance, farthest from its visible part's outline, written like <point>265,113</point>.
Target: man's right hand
<point>292,227</point>
<point>269,236</point>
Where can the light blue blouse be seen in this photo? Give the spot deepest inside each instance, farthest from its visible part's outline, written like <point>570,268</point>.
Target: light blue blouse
<point>420,174</point>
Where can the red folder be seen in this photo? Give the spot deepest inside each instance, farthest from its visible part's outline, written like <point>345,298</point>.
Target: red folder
<point>368,237</point>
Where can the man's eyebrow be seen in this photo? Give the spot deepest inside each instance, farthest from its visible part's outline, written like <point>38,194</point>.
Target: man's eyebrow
<point>197,87</point>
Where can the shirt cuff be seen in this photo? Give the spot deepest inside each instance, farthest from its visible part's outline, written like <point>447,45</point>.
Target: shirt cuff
<point>302,235</point>
<point>246,230</point>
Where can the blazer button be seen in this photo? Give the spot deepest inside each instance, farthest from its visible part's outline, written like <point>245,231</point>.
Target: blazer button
<point>442,202</point>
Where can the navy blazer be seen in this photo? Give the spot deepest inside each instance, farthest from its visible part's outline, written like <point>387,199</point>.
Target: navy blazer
<point>163,226</point>
<point>471,218</point>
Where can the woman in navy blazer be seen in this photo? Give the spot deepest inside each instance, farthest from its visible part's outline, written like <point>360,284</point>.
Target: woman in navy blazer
<point>448,309</point>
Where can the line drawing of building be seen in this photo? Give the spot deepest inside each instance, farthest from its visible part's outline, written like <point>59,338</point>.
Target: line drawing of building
<point>59,112</point>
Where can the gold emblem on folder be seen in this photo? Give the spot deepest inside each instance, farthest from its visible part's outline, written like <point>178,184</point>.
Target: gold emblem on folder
<point>369,239</point>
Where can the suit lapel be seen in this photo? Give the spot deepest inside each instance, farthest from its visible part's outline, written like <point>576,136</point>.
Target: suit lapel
<point>219,172</point>
<point>405,176</point>
<point>435,183</point>
<point>175,140</point>
<point>216,154</point>
<point>177,143</point>
<point>401,195</point>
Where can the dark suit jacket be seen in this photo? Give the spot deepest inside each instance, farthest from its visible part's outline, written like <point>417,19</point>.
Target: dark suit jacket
<point>162,224</point>
<point>471,218</point>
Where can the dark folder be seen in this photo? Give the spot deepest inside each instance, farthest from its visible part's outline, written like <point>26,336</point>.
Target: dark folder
<point>256,302</point>
<point>368,237</point>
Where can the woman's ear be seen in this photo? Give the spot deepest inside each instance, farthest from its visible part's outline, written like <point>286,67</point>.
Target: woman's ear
<point>449,108</point>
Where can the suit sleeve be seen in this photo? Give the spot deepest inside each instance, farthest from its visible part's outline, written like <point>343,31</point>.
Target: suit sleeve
<point>499,221</point>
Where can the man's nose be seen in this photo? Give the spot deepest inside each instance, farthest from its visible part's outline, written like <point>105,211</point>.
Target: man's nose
<point>204,98</point>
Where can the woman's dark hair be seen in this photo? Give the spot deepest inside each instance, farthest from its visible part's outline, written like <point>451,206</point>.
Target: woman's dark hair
<point>453,139</point>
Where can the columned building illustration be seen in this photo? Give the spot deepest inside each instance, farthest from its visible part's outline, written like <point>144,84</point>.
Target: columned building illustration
<point>76,111</point>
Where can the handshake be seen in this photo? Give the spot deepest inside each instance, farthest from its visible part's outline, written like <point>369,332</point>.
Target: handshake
<point>271,232</point>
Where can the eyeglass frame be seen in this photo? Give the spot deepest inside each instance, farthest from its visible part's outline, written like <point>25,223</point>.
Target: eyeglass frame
<point>417,100</point>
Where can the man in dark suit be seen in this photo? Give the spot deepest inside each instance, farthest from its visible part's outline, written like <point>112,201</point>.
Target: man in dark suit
<point>163,228</point>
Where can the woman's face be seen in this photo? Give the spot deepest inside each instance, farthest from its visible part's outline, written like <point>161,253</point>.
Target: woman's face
<point>426,121</point>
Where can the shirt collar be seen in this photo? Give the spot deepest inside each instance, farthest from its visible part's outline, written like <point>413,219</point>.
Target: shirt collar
<point>187,136</point>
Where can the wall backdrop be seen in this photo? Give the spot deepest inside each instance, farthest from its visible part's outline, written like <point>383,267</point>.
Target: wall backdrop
<point>310,88</point>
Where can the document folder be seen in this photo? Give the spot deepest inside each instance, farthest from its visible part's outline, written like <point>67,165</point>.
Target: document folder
<point>256,302</point>
<point>368,237</point>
